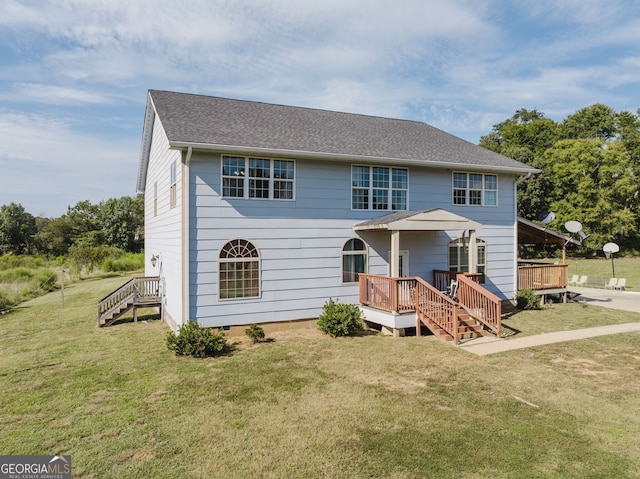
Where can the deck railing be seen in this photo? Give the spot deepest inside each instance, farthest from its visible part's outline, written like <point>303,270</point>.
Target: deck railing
<point>481,304</point>
<point>135,290</point>
<point>541,277</point>
<point>442,278</point>
<point>410,294</point>
<point>437,307</point>
<point>390,294</point>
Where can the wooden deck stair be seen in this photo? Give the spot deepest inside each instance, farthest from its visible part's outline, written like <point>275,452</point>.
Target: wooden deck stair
<point>469,317</point>
<point>140,292</point>
<point>468,327</point>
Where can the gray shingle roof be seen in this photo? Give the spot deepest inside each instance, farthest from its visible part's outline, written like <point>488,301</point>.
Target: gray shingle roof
<point>206,120</point>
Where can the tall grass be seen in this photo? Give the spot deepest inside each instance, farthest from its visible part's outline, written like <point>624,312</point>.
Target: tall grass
<point>20,284</point>
<point>126,262</point>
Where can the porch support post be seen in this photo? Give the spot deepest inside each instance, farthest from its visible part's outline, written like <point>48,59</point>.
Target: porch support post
<point>394,261</point>
<point>473,252</point>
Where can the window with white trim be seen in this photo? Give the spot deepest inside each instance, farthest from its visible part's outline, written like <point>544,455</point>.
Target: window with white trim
<point>239,270</point>
<point>173,185</point>
<point>459,256</point>
<point>379,188</point>
<point>155,199</point>
<point>475,189</point>
<point>354,260</point>
<point>257,178</point>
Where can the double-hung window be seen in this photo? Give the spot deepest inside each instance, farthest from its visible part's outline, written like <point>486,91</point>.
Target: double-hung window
<point>379,188</point>
<point>475,189</point>
<point>257,178</point>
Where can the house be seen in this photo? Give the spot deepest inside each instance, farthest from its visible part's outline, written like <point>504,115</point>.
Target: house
<point>259,213</point>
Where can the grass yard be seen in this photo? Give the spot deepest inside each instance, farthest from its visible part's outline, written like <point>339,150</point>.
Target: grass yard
<point>627,267</point>
<point>308,406</point>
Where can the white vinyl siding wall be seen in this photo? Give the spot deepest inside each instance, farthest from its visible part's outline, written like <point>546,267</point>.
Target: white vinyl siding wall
<point>163,231</point>
<point>300,242</point>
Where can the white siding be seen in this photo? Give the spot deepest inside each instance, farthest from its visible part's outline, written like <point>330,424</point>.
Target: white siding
<point>163,232</point>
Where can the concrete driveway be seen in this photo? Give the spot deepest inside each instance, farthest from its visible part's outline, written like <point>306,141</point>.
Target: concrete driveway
<point>622,300</point>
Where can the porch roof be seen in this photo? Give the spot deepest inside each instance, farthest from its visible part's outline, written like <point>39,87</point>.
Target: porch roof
<point>531,233</point>
<point>426,220</point>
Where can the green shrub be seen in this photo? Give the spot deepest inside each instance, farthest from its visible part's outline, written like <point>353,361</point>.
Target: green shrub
<point>126,262</point>
<point>9,261</point>
<point>16,275</point>
<point>44,279</point>
<point>340,319</point>
<point>527,299</point>
<point>5,300</point>
<point>255,333</point>
<point>193,340</point>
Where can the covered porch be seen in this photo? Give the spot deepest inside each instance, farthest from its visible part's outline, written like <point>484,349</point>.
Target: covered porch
<point>398,301</point>
<point>543,279</point>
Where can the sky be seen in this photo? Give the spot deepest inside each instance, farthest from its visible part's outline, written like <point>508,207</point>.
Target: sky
<point>74,74</point>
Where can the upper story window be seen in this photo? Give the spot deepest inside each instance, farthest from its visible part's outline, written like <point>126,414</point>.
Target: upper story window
<point>379,188</point>
<point>257,178</point>
<point>155,199</point>
<point>173,185</point>
<point>475,189</point>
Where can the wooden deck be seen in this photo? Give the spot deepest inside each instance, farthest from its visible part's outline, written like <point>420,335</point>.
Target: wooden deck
<point>444,316</point>
<point>544,279</point>
<point>140,292</point>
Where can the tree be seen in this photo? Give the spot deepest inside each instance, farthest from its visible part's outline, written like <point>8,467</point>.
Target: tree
<point>593,183</point>
<point>596,121</point>
<point>525,137</point>
<point>54,235</point>
<point>84,218</point>
<point>121,221</point>
<point>590,169</point>
<point>17,228</point>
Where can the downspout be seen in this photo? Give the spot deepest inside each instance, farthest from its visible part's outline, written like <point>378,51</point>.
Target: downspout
<point>186,256</point>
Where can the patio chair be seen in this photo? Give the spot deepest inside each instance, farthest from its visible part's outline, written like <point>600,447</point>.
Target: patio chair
<point>452,291</point>
<point>622,284</point>
<point>613,282</point>
<point>582,281</point>
<point>574,280</point>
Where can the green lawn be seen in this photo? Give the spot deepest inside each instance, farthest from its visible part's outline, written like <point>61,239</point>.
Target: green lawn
<point>308,406</point>
<point>628,267</point>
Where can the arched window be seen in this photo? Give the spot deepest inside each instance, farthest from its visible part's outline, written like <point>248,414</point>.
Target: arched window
<point>239,270</point>
<point>354,260</point>
<point>459,256</point>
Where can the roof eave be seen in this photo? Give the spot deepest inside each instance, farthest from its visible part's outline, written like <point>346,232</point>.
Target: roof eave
<point>145,148</point>
<point>219,148</point>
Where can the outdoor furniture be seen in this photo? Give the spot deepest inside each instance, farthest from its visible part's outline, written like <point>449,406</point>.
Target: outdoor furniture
<point>613,282</point>
<point>621,285</point>
<point>582,281</point>
<point>574,280</point>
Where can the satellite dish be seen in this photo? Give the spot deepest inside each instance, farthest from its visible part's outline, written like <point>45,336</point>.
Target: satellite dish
<point>546,218</point>
<point>611,248</point>
<point>573,226</point>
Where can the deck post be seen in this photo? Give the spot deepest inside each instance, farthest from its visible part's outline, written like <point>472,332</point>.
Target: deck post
<point>394,261</point>
<point>473,252</point>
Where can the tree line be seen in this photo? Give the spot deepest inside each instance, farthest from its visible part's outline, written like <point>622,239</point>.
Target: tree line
<point>590,170</point>
<point>114,223</point>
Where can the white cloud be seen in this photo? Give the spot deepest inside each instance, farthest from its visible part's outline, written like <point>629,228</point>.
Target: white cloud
<point>45,158</point>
